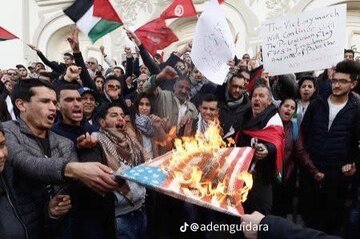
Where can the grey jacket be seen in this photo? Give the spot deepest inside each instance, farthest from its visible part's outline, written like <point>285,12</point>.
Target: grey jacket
<point>165,103</point>
<point>33,172</point>
<point>27,158</point>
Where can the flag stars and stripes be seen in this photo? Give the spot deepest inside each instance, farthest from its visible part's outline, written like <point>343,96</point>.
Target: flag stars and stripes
<point>146,175</point>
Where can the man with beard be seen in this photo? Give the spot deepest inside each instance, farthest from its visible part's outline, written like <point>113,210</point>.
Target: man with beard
<point>120,152</point>
<point>71,123</point>
<point>263,123</point>
<point>200,86</point>
<point>328,130</point>
<point>40,158</point>
<point>233,105</point>
<point>172,104</point>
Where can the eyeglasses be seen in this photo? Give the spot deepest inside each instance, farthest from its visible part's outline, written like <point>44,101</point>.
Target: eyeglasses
<point>67,59</point>
<point>180,67</point>
<point>91,63</point>
<point>113,87</point>
<point>11,74</point>
<point>340,81</point>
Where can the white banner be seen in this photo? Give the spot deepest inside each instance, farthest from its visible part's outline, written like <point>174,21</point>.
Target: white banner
<point>213,45</point>
<point>308,41</point>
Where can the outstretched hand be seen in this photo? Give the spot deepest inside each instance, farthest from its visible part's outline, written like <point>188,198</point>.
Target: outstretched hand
<point>133,37</point>
<point>59,205</point>
<point>96,176</point>
<point>86,141</point>
<point>168,73</point>
<point>128,53</point>
<point>251,219</point>
<point>349,169</point>
<point>102,50</point>
<point>72,73</point>
<point>73,40</point>
<point>33,47</point>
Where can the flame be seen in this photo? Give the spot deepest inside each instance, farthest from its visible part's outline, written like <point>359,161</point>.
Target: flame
<point>169,137</point>
<point>205,182</point>
<point>248,180</point>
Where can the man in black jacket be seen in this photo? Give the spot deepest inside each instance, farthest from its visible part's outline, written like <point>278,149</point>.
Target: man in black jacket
<point>329,137</point>
<point>58,68</point>
<point>234,103</point>
<point>76,74</point>
<point>71,123</point>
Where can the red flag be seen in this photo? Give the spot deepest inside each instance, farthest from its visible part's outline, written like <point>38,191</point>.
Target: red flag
<point>155,35</point>
<point>221,1</point>
<point>179,8</point>
<point>273,134</point>
<point>6,35</point>
<point>104,9</point>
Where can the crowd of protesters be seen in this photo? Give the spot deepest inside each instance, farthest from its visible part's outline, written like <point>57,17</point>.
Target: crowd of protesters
<point>67,127</point>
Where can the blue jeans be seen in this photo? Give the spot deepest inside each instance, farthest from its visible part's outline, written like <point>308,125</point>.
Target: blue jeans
<point>132,225</point>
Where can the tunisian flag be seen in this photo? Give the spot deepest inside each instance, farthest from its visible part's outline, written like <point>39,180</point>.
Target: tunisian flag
<point>6,35</point>
<point>179,8</point>
<point>273,133</point>
<point>155,35</point>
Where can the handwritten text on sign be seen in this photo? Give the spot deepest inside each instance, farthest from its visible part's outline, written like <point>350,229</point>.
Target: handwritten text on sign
<point>213,45</point>
<point>308,41</point>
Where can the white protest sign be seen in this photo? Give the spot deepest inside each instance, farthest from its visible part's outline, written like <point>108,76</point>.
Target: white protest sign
<point>308,41</point>
<point>213,45</point>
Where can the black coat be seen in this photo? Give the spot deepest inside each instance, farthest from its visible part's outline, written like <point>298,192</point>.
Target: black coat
<point>335,147</point>
<point>260,196</point>
<point>280,228</point>
<point>97,209</point>
<point>12,225</point>
<point>233,117</point>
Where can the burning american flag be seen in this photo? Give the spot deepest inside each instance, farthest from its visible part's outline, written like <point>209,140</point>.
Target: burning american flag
<point>202,170</point>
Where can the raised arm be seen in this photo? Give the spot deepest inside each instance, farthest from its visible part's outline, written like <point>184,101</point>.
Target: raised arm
<point>151,85</point>
<point>145,56</point>
<point>175,57</point>
<point>107,59</point>
<point>73,40</point>
<point>52,64</point>
<point>129,62</point>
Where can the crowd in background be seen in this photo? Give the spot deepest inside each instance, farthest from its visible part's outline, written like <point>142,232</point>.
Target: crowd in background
<point>69,126</point>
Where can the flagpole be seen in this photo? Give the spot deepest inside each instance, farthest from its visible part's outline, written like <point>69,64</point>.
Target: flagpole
<point>22,41</point>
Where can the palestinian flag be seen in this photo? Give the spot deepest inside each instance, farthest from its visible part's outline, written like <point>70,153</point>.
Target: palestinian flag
<point>5,35</point>
<point>94,18</point>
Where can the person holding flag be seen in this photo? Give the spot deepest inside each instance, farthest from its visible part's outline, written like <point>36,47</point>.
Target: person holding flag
<point>262,123</point>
